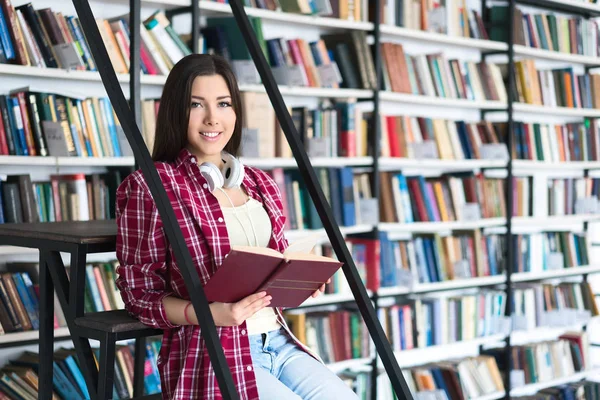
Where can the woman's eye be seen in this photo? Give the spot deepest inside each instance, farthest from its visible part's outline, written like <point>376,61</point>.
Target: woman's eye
<point>195,105</point>
<point>224,104</point>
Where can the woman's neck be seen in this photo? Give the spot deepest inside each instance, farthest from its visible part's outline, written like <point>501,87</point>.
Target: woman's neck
<point>215,159</point>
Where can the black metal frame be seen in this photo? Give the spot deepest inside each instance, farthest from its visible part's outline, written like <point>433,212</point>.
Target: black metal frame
<point>172,230</point>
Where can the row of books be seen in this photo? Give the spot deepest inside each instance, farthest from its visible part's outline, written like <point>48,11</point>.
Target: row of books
<point>414,14</point>
<point>534,304</point>
<point>335,336</point>
<point>467,22</point>
<point>407,199</point>
<point>560,87</point>
<point>352,10</point>
<point>344,191</point>
<point>538,252</point>
<point>403,136</point>
<point>46,124</point>
<point>442,320</point>
<point>575,141</point>
<point>565,34</point>
<point>436,76</point>
<point>19,379</point>
<point>565,195</point>
<point>74,197</point>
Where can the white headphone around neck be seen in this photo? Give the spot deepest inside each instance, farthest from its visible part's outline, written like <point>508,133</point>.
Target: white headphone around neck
<point>230,176</point>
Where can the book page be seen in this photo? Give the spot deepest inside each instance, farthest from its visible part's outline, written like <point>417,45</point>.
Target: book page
<point>304,245</point>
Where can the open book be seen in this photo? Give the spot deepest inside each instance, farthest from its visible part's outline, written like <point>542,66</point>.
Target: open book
<point>290,277</point>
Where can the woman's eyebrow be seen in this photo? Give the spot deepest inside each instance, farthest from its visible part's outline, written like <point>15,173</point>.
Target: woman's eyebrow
<point>202,98</point>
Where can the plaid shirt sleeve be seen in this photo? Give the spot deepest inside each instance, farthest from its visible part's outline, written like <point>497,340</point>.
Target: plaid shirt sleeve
<point>142,254</point>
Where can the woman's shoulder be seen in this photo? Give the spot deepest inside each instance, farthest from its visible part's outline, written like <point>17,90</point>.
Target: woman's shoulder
<point>137,181</point>
<point>262,178</point>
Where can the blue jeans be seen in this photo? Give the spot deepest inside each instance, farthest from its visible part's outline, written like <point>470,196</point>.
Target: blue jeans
<point>286,372</point>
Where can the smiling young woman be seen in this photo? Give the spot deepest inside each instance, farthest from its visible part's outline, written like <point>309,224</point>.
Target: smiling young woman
<point>218,203</point>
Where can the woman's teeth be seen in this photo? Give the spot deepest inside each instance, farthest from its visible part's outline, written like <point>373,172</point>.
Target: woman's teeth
<point>210,134</point>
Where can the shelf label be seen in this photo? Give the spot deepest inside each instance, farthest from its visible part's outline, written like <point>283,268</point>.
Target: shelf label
<point>470,212</point>
<point>587,205</point>
<point>318,147</point>
<point>68,55</point>
<point>517,378</point>
<point>126,150</point>
<point>494,151</point>
<point>582,316</point>
<point>503,325</point>
<point>554,261</point>
<point>250,143</point>
<point>55,139</point>
<point>289,75</point>
<point>436,19</point>
<point>369,211</point>
<point>405,278</point>
<point>462,269</point>
<point>426,150</point>
<point>329,74</point>
<point>246,72</point>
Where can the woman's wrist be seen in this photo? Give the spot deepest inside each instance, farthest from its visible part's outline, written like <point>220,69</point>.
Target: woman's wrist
<point>185,314</point>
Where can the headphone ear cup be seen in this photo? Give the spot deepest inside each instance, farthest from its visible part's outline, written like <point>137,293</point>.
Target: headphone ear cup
<point>233,171</point>
<point>213,176</point>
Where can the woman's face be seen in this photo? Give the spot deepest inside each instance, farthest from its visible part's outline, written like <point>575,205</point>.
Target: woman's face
<point>212,118</point>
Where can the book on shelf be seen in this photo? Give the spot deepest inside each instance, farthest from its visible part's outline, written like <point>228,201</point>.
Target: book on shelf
<point>547,31</point>
<point>583,390</point>
<point>290,278</point>
<point>414,14</point>
<point>467,22</point>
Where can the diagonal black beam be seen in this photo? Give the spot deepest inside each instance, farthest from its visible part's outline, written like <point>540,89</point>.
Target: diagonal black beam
<point>170,223</point>
<point>316,193</point>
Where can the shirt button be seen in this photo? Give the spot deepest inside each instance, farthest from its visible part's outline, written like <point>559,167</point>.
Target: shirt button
<point>205,185</point>
<point>249,368</point>
<point>220,219</point>
<point>193,159</point>
<point>243,332</point>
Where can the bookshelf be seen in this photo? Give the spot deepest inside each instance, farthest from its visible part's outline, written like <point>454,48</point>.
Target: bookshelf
<point>397,101</point>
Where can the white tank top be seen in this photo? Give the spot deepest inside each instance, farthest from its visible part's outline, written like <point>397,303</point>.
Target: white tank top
<point>252,214</point>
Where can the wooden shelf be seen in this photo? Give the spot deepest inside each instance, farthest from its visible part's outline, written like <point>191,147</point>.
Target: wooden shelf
<point>438,286</point>
<point>421,356</point>
<point>430,227</point>
<point>315,161</point>
<point>393,32</point>
<point>440,102</point>
<point>535,387</point>
<point>559,273</point>
<point>555,55</point>
<point>556,111</point>
<point>30,335</point>
<point>391,163</point>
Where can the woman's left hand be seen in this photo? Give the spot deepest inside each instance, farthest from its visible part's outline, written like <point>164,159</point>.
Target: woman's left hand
<point>320,290</point>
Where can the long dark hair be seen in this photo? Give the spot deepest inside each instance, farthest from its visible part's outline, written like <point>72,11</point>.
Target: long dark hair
<point>174,111</point>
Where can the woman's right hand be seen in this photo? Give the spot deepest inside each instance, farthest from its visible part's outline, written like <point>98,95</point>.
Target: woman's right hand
<point>234,314</point>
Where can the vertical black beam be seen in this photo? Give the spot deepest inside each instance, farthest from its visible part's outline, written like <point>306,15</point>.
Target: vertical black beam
<point>165,209</point>
<point>77,281</point>
<point>375,145</point>
<point>316,193</point>
<point>135,91</point>
<point>509,190</point>
<point>195,26</point>
<point>46,330</point>
<point>139,358</point>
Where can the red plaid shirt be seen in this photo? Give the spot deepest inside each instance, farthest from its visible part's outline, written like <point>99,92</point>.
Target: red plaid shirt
<point>148,272</point>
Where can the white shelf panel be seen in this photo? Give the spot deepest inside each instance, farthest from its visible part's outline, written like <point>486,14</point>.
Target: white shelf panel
<point>296,234</point>
<point>14,250</point>
<point>440,102</point>
<point>329,299</point>
<point>556,111</point>
<point>390,32</point>
<point>536,276</point>
<point>96,161</point>
<point>421,356</point>
<point>579,4</point>
<point>426,227</point>
<point>290,18</point>
<point>315,161</point>
<point>541,334</point>
<point>447,285</point>
<point>340,366</point>
<point>535,166</point>
<point>555,55</point>
<point>491,396</point>
<point>28,160</point>
<point>313,91</point>
<point>446,165</point>
<point>552,221</point>
<point>533,388</point>
<point>30,335</point>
